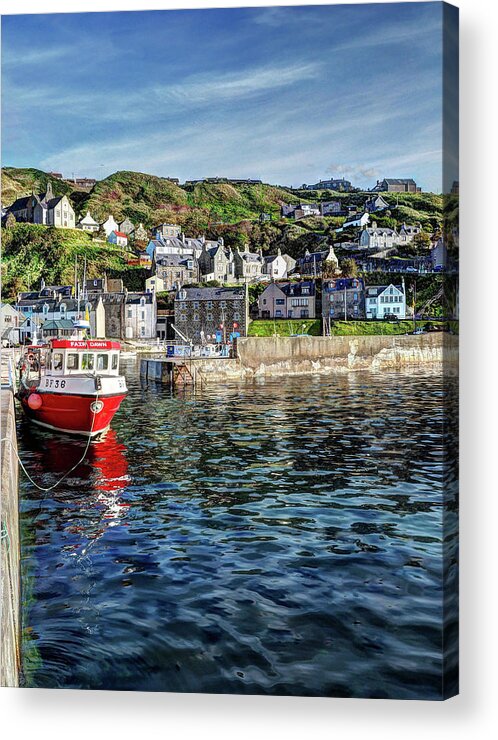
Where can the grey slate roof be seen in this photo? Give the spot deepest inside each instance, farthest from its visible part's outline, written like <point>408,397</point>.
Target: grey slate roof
<point>211,294</point>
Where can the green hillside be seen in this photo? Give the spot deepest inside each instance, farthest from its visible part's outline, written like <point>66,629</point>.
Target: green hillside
<point>17,182</point>
<point>30,252</point>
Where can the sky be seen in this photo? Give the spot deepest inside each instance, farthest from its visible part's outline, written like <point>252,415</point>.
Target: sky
<point>287,95</point>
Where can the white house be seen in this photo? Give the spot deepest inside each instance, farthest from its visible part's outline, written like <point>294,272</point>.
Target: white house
<point>10,321</point>
<point>377,237</point>
<point>140,316</point>
<point>306,209</point>
<point>44,208</point>
<point>278,266</point>
<point>87,223</point>
<point>110,225</point>
<point>118,237</point>
<point>385,299</point>
<point>356,219</point>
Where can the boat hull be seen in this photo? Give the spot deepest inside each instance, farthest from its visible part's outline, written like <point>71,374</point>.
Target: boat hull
<point>82,415</point>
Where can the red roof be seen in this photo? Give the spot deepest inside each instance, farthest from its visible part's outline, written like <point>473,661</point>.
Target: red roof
<point>120,233</point>
<point>103,344</point>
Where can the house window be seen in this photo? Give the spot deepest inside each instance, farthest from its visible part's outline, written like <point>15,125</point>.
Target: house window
<point>236,316</point>
<point>223,304</point>
<point>279,301</point>
<point>278,312</point>
<point>209,316</point>
<point>210,304</point>
<point>142,315</point>
<point>130,313</point>
<point>196,317</point>
<point>196,304</point>
<point>183,317</point>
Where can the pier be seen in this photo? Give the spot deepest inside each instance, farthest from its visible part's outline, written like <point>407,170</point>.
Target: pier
<point>10,546</point>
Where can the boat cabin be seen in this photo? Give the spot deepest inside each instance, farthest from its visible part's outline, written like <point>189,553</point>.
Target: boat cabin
<point>82,357</point>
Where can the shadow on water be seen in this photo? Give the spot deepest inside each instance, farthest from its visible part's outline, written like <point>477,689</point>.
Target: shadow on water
<point>278,537</point>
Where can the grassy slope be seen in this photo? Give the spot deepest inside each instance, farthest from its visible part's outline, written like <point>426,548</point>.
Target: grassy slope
<point>31,252</point>
<point>17,182</point>
<point>286,327</point>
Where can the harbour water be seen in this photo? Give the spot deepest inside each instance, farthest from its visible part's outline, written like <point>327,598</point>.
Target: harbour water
<point>279,537</point>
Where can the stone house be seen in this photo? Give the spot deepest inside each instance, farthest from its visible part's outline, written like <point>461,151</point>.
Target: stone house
<point>288,301</point>
<point>375,203</point>
<point>407,232</point>
<point>216,262</point>
<point>164,230</point>
<point>210,314</point>
<point>248,265</point>
<point>382,300</point>
<point>44,208</point>
<point>397,185</point>
<point>343,298</point>
<point>140,234</point>
<point>278,266</point>
<point>339,184</point>
<point>312,263</point>
<point>175,270</point>
<point>126,227</point>
<point>331,208</point>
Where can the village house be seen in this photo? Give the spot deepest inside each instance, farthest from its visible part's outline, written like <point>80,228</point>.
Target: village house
<point>164,230</point>
<point>216,262</point>
<point>339,184</point>
<point>439,255</point>
<point>385,300</point>
<point>87,223</point>
<point>10,321</point>
<point>331,208</point>
<point>377,237</point>
<point>312,263</point>
<point>126,227</point>
<point>396,185</point>
<point>343,298</point>
<point>407,232</point>
<point>44,208</point>
<point>300,210</point>
<point>210,314</point>
<point>174,270</point>
<point>140,234</point>
<point>375,203</point>
<point>278,266</point>
<point>154,284</point>
<point>109,225</point>
<point>355,220</point>
<point>119,238</point>
<point>248,265</point>
<point>140,316</point>
<point>57,328</point>
<point>288,301</point>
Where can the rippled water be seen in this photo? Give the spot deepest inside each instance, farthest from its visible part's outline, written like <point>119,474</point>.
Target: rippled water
<point>283,537</point>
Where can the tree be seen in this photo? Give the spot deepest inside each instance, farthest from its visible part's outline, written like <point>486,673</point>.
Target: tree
<point>10,221</point>
<point>349,268</point>
<point>421,241</point>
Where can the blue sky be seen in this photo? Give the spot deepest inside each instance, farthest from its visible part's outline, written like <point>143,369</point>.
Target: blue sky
<point>288,95</point>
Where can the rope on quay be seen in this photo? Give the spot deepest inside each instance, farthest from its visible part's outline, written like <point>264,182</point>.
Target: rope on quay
<point>51,488</point>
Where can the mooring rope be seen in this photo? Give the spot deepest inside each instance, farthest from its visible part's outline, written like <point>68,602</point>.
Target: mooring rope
<point>51,488</point>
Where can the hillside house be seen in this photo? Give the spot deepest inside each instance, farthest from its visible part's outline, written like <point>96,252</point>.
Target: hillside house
<point>339,184</point>
<point>312,263</point>
<point>382,300</point>
<point>210,314</point>
<point>109,225</point>
<point>396,185</point>
<point>216,262</point>
<point>359,220</point>
<point>87,223</point>
<point>154,284</point>
<point>331,208</point>
<point>278,266</point>
<point>375,203</point>
<point>140,234</point>
<point>119,238</point>
<point>164,230</point>
<point>377,238</point>
<point>439,255</point>
<point>175,270</point>
<point>127,227</point>
<point>407,232</point>
<point>248,265</point>
<point>288,301</point>
<point>44,208</point>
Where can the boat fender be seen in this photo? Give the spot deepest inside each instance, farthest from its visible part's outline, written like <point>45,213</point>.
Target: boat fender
<point>35,401</point>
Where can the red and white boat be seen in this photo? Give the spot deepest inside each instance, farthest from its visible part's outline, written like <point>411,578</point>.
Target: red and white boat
<point>72,385</point>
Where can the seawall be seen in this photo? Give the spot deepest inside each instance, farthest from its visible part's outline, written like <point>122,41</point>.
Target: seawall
<point>10,546</point>
<point>284,356</point>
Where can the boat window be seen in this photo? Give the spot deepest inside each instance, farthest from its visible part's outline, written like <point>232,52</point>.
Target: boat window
<point>115,361</point>
<point>72,361</point>
<point>87,361</point>
<point>102,362</point>
<point>57,361</point>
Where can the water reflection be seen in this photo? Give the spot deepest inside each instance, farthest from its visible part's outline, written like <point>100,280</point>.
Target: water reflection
<point>278,537</point>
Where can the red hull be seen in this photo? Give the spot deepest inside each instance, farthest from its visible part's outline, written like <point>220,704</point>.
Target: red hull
<point>71,413</point>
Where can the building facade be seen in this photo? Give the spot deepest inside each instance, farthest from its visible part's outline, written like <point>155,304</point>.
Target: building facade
<point>385,300</point>
<point>378,238</point>
<point>343,299</point>
<point>288,301</point>
<point>248,265</point>
<point>44,208</point>
<point>210,314</point>
<point>397,185</point>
